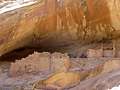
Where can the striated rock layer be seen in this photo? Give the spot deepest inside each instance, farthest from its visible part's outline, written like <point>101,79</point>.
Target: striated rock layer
<point>56,24</point>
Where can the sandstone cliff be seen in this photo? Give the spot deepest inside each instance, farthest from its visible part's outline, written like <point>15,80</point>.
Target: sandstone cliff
<point>54,24</point>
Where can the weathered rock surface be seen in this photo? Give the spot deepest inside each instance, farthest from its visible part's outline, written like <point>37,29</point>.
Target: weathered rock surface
<point>100,82</point>
<point>51,24</point>
<point>59,81</point>
<point>70,79</point>
<point>111,65</point>
<point>60,24</point>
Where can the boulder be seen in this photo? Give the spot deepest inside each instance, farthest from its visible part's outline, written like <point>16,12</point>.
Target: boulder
<point>62,80</point>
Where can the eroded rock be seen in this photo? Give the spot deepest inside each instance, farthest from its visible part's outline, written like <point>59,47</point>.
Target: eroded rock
<point>60,81</point>
<point>111,65</point>
<point>59,24</point>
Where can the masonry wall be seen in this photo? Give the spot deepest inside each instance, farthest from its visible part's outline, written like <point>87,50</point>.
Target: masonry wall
<point>40,63</point>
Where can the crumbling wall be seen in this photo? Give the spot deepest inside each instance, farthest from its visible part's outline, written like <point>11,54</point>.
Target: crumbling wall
<point>40,63</point>
<point>108,53</point>
<point>92,53</point>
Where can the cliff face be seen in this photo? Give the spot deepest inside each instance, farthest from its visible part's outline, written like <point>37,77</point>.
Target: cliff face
<point>114,8</point>
<point>52,23</point>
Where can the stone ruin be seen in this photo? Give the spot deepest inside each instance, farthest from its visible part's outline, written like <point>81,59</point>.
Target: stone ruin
<point>92,53</point>
<point>40,63</point>
<point>98,53</point>
<point>108,53</point>
<point>107,50</point>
